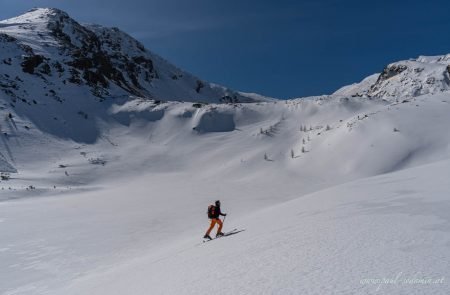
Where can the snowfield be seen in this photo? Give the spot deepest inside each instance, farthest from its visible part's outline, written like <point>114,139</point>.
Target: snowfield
<point>145,238</point>
<point>104,191</point>
<point>393,227</point>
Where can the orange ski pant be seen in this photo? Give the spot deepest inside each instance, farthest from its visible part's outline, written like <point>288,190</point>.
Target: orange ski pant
<point>215,221</point>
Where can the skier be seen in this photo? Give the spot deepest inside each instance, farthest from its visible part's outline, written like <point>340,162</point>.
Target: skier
<point>213,214</point>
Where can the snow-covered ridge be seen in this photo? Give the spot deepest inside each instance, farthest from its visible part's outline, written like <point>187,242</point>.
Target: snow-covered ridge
<point>405,79</point>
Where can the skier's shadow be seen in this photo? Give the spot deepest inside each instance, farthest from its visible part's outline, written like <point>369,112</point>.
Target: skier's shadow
<point>233,233</point>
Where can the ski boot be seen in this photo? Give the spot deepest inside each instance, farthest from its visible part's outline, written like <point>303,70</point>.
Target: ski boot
<point>207,237</point>
<point>219,235</point>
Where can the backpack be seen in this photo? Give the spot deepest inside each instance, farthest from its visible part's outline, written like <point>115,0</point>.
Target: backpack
<point>211,211</point>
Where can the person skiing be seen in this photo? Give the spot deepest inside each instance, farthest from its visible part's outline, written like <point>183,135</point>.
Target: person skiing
<point>213,214</point>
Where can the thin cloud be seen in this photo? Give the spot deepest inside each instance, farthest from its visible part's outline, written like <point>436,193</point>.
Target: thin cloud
<point>166,27</point>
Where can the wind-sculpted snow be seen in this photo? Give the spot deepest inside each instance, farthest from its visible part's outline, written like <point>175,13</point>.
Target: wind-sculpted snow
<point>214,121</point>
<point>147,111</point>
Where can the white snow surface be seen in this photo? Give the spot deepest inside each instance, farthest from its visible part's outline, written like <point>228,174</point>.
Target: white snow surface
<point>394,227</point>
<point>358,89</point>
<point>339,194</point>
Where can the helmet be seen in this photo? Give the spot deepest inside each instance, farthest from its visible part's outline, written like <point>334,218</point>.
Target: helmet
<point>218,203</point>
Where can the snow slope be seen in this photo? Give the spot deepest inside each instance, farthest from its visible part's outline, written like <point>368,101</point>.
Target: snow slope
<point>327,242</point>
<point>123,240</point>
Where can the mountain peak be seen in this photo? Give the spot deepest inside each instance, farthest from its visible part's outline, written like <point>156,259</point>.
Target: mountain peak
<point>48,11</point>
<point>45,29</point>
<point>38,15</point>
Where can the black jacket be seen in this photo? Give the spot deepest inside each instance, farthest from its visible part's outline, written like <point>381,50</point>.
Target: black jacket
<point>217,212</point>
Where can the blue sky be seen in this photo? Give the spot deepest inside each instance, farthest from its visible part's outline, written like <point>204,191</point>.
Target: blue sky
<point>277,48</point>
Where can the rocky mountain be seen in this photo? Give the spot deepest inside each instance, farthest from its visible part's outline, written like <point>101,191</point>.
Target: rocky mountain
<point>50,50</point>
<point>404,80</point>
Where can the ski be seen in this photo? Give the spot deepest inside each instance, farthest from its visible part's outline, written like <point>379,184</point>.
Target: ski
<point>228,233</point>
<point>224,234</point>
